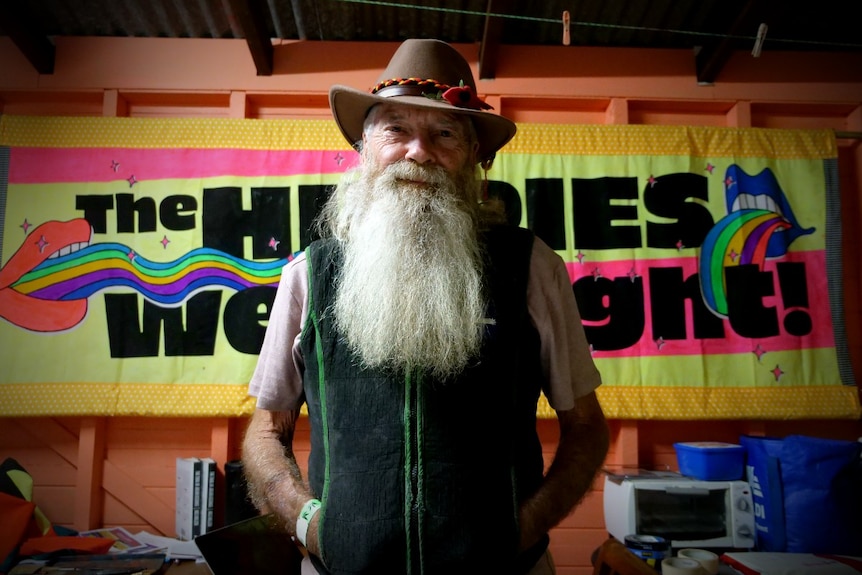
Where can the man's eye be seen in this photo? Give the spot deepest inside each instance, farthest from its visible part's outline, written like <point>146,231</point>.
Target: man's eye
<point>450,132</point>
<point>393,128</point>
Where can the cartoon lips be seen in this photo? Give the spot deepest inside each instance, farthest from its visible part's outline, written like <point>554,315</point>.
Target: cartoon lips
<point>49,239</point>
<point>762,191</point>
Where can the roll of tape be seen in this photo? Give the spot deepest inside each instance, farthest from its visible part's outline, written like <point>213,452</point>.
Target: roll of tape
<point>681,566</point>
<point>707,559</point>
<point>650,548</point>
<point>647,543</point>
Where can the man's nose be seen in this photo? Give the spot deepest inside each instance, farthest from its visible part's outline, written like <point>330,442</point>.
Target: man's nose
<point>419,149</point>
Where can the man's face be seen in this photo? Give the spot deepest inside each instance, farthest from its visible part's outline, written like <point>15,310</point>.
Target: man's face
<point>410,292</point>
<point>425,136</point>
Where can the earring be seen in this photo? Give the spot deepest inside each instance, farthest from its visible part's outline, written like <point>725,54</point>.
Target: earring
<point>486,165</point>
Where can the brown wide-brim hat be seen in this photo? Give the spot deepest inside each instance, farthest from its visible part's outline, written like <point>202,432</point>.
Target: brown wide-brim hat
<point>425,74</point>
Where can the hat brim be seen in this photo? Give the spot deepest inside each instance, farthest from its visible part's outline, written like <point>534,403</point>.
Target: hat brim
<point>350,107</point>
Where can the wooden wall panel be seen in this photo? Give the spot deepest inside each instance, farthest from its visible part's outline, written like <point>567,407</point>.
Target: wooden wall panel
<point>138,486</point>
<point>56,502</point>
<point>572,549</point>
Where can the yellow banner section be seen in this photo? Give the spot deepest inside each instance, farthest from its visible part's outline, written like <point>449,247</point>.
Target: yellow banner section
<point>688,403</point>
<point>678,404</point>
<point>156,399</point>
<point>142,133</point>
<point>601,140</point>
<point>586,140</point>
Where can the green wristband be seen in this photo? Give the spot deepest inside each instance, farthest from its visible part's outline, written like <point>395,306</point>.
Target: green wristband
<point>311,507</point>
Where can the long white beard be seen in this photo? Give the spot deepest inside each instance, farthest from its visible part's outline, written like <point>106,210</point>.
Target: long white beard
<point>410,292</point>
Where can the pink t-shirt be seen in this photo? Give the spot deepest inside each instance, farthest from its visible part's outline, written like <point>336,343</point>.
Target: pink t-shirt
<point>566,361</point>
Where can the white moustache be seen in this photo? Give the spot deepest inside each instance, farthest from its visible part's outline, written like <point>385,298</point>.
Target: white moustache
<point>404,170</point>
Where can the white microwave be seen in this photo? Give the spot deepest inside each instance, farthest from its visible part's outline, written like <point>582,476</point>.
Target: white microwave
<point>685,511</point>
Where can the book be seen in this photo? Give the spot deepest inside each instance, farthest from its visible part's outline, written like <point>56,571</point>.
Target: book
<point>124,542</point>
<point>208,473</point>
<point>173,548</point>
<point>188,497</point>
<point>139,564</point>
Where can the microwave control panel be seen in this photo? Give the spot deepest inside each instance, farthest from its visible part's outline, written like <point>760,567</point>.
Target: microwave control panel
<point>743,516</point>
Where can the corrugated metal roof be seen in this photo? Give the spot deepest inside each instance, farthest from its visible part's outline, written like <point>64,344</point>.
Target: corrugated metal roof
<point>827,25</point>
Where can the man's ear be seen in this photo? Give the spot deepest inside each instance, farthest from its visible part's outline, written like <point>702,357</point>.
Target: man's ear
<point>475,154</point>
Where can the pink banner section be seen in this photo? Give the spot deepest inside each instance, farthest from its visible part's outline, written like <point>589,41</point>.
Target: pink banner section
<point>791,296</point>
<point>63,165</point>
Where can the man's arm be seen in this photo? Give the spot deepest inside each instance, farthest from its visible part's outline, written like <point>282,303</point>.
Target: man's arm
<point>580,453</point>
<point>274,479</point>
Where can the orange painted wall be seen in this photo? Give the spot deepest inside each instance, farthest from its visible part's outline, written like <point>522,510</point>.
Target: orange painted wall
<point>92,472</point>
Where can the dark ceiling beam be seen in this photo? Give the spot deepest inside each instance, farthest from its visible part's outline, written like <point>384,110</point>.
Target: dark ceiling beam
<point>489,50</point>
<point>20,26</point>
<point>251,19</point>
<point>712,57</point>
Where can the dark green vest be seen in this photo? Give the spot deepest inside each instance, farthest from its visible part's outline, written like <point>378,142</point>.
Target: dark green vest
<point>419,476</point>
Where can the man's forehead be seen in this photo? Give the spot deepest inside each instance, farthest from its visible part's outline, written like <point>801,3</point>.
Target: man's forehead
<point>392,111</point>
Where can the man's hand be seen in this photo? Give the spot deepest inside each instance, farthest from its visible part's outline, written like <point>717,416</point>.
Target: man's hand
<point>580,453</point>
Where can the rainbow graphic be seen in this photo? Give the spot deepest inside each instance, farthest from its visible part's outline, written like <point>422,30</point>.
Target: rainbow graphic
<point>760,224</point>
<point>102,266</point>
<point>46,284</point>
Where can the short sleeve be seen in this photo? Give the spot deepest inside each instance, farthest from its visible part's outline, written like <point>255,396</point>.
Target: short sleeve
<point>570,372</point>
<point>277,378</point>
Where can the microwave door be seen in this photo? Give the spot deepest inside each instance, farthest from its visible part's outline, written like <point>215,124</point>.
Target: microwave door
<point>682,513</point>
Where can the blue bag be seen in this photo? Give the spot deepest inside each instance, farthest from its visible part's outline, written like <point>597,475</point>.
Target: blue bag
<point>763,473</point>
<point>807,493</point>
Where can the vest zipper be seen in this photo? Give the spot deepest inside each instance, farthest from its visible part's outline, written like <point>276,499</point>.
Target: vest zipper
<point>412,476</point>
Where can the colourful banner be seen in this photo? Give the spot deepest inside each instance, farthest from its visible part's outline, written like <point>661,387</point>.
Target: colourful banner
<point>140,257</point>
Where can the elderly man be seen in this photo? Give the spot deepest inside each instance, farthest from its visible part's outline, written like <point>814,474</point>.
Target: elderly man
<point>419,332</point>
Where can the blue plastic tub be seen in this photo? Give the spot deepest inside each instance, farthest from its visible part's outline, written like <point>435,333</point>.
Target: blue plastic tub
<point>711,460</point>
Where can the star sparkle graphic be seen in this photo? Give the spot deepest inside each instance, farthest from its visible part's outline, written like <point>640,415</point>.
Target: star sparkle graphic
<point>132,180</point>
<point>777,373</point>
<point>651,181</point>
<point>580,256</point>
<point>758,351</point>
<point>26,226</point>
<point>165,241</point>
<point>709,167</point>
<point>632,274</point>
<point>339,158</point>
<point>42,243</point>
<point>659,343</point>
<point>273,243</point>
<point>115,165</point>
